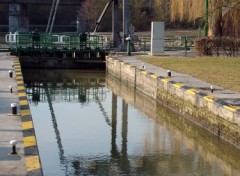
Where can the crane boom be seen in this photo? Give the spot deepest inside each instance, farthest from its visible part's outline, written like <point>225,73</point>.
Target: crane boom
<point>102,15</point>
<point>52,15</point>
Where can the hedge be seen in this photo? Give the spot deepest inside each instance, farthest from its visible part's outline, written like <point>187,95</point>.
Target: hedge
<point>217,46</point>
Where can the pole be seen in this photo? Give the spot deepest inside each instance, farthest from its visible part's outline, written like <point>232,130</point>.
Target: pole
<point>50,16</point>
<point>115,23</point>
<point>128,39</point>
<point>126,12</point>
<point>206,19</point>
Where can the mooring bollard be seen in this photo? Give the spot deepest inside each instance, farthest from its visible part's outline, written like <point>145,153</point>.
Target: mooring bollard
<point>10,88</point>
<point>14,108</point>
<point>12,64</point>
<point>10,73</point>
<point>211,87</point>
<point>143,66</point>
<point>169,73</point>
<point>13,143</point>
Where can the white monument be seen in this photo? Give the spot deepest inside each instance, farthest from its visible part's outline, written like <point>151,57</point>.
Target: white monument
<point>157,38</point>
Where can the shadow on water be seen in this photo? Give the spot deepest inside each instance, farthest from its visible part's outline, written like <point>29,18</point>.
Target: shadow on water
<point>175,145</point>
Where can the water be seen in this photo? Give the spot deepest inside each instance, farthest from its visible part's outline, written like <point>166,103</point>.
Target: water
<point>88,123</point>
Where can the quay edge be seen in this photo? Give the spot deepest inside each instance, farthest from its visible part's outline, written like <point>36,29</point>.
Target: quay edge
<point>213,115</point>
<point>32,158</point>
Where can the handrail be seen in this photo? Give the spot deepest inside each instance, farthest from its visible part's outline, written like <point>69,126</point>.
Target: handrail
<point>11,37</point>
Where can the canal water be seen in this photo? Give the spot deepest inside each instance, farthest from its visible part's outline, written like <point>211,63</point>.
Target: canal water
<point>89,123</point>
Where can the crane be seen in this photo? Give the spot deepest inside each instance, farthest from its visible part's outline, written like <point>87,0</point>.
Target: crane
<point>52,16</point>
<point>102,15</point>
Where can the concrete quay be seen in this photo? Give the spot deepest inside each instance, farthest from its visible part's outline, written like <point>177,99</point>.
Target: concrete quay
<point>217,111</point>
<point>16,126</point>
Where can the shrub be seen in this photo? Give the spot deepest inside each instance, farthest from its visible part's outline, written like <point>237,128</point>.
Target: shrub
<point>217,46</point>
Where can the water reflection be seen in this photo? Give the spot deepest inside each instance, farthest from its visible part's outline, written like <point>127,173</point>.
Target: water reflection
<point>62,87</point>
<point>126,142</point>
<point>186,147</point>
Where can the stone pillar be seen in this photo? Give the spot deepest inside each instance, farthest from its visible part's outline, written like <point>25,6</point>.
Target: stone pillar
<point>81,25</point>
<point>157,38</point>
<point>18,18</point>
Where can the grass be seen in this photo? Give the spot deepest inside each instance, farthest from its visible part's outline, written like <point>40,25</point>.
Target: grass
<point>221,71</point>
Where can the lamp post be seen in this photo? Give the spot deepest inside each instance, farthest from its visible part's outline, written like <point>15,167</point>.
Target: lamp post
<point>126,14</point>
<point>206,19</point>
<point>128,39</point>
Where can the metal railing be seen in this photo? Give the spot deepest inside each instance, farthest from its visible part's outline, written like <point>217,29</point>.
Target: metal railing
<point>54,42</point>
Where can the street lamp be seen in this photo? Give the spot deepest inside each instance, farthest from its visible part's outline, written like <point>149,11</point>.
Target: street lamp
<point>128,39</point>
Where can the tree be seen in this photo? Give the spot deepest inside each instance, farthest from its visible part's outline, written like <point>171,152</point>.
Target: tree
<point>192,9</point>
<point>162,10</point>
<point>90,11</point>
<point>138,11</point>
<point>230,25</point>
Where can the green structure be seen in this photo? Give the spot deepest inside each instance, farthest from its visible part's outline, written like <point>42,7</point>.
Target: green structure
<point>206,19</point>
<point>74,45</point>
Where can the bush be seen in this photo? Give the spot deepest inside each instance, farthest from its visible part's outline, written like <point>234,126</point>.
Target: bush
<point>217,46</point>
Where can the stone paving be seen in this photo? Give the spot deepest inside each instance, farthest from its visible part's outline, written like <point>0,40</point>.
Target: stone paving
<point>10,125</point>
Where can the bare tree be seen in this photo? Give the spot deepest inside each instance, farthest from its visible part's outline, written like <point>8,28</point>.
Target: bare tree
<point>90,11</point>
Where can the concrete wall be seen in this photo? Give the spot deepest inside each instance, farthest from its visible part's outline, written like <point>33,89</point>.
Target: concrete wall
<point>209,146</point>
<point>18,18</point>
<point>203,110</point>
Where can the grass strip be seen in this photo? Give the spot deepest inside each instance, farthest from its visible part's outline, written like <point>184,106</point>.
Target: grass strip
<point>221,71</point>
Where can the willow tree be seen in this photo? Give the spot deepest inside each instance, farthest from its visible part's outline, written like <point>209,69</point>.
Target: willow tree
<point>190,10</point>
<point>230,25</point>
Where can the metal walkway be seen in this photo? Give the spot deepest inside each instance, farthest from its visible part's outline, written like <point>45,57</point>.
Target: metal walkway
<point>62,45</point>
